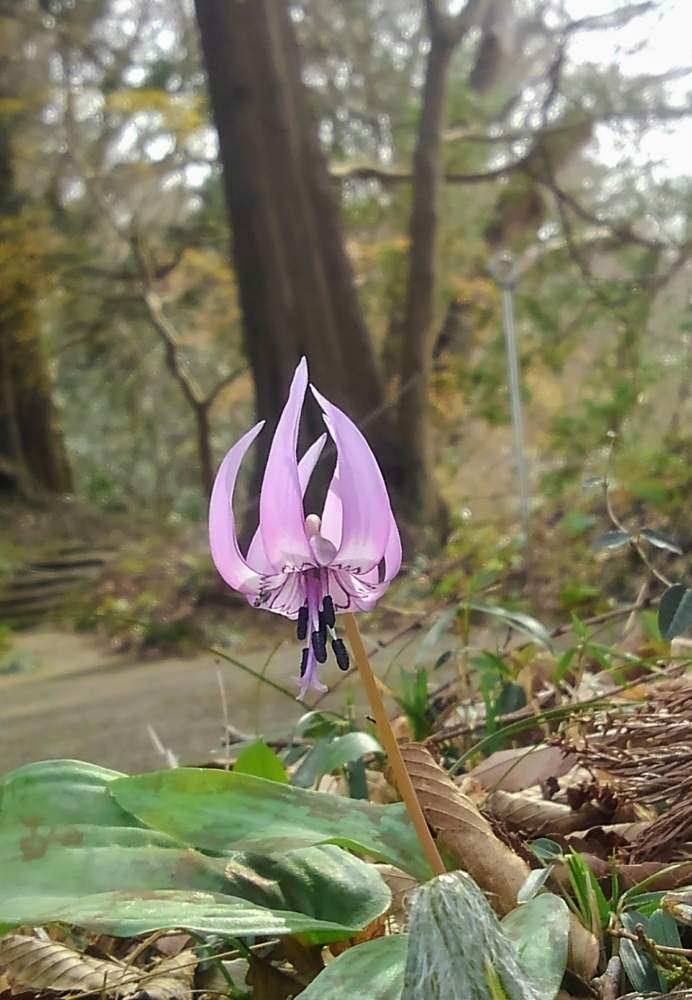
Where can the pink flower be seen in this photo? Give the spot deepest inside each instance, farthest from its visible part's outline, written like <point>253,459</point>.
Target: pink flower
<point>309,568</point>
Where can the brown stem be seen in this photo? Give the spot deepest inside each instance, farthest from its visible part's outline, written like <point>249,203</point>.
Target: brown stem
<point>391,747</point>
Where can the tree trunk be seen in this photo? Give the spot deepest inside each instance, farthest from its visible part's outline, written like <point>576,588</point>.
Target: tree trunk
<point>296,283</point>
<point>204,449</point>
<point>420,497</point>
<point>32,451</point>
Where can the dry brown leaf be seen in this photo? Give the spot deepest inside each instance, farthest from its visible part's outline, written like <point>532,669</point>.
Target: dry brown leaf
<point>463,833</point>
<point>520,768</point>
<point>401,886</point>
<point>603,840</point>
<point>539,817</point>
<point>30,963</point>
<point>468,839</point>
<point>170,979</point>
<point>376,929</point>
<point>173,943</point>
<point>268,982</point>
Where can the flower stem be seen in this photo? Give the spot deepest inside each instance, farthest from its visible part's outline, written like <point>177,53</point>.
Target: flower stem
<point>386,735</point>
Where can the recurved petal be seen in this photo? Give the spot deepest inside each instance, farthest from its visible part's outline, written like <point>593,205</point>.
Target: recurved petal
<point>223,540</point>
<point>350,592</point>
<point>366,511</point>
<point>386,571</point>
<point>332,513</point>
<point>282,518</point>
<point>392,552</point>
<point>307,464</point>
<point>256,555</point>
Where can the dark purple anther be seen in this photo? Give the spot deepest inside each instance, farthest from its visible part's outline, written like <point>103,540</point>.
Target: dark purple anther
<point>328,612</point>
<point>302,625</point>
<point>319,647</point>
<point>304,661</point>
<point>341,654</point>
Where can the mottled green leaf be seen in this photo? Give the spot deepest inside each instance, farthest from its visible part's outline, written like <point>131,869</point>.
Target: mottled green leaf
<point>221,811</point>
<point>126,914</point>
<point>370,971</point>
<point>61,791</point>
<point>69,852</point>
<point>324,882</point>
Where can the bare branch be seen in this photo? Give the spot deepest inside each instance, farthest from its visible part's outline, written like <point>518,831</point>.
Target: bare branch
<point>169,338</point>
<point>617,18</point>
<point>223,383</point>
<point>621,231</point>
<point>388,175</point>
<point>462,134</point>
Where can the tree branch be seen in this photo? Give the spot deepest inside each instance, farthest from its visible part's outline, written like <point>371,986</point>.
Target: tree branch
<point>223,383</point>
<point>617,18</point>
<point>461,134</point>
<point>388,175</point>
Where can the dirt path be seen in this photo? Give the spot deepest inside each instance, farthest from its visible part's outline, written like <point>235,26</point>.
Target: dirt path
<point>76,699</point>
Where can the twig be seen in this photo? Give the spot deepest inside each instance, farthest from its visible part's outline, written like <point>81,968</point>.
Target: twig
<point>641,938</point>
<point>391,747</point>
<point>167,754</point>
<point>610,980</point>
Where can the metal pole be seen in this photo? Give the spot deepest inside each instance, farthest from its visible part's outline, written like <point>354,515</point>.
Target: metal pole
<point>504,273</point>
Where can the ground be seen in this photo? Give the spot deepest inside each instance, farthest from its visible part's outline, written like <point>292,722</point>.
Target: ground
<point>74,698</point>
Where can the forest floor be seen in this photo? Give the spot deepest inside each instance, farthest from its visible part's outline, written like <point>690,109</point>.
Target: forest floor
<point>71,697</point>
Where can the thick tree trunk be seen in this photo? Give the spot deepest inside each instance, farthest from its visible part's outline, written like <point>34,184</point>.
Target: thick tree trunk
<point>421,500</point>
<point>32,450</point>
<point>296,283</point>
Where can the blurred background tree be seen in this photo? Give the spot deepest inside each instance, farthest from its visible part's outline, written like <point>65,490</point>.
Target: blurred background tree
<point>375,157</point>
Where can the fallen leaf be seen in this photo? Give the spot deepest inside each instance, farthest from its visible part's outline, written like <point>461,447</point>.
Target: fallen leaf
<point>47,966</point>
<point>401,886</point>
<point>519,768</point>
<point>539,817</point>
<point>467,838</point>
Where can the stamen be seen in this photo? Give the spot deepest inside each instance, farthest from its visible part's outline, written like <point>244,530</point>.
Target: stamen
<point>304,662</point>
<point>322,625</point>
<point>302,624</point>
<point>319,646</point>
<point>341,654</point>
<point>328,611</point>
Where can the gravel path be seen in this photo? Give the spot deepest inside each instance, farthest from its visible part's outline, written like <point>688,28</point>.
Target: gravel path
<point>73,698</point>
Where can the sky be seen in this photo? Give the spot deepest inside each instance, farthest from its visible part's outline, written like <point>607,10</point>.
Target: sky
<point>656,42</point>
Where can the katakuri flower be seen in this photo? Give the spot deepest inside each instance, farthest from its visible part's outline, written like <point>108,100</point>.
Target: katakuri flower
<point>309,567</point>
